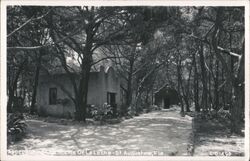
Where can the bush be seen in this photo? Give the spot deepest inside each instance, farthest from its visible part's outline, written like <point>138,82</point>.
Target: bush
<point>16,127</point>
<point>90,111</point>
<point>102,113</point>
<point>130,112</point>
<point>153,108</point>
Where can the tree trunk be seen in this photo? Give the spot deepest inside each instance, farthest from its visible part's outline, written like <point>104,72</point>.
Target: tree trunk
<point>216,86</point>
<point>196,86</point>
<point>238,97</point>
<point>81,109</point>
<point>13,87</point>
<point>203,79</point>
<point>209,82</point>
<point>81,99</point>
<point>187,104</point>
<point>223,89</point>
<point>187,97</point>
<point>179,83</point>
<point>185,92</point>
<point>129,86</point>
<point>38,66</point>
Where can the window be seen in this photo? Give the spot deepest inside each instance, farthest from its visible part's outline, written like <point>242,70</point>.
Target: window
<point>111,99</point>
<point>52,96</point>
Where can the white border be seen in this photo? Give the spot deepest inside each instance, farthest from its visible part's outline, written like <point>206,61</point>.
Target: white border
<point>3,72</point>
<point>127,2</point>
<point>247,81</point>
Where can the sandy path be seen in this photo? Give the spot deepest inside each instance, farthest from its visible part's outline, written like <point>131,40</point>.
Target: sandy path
<point>157,133</point>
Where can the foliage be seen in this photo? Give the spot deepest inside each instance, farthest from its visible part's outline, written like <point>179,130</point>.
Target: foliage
<point>25,27</point>
<point>130,112</point>
<point>16,127</point>
<point>198,50</point>
<point>102,113</point>
<point>151,108</point>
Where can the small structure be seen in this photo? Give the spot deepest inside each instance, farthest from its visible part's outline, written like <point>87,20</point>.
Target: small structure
<point>54,92</point>
<point>166,96</point>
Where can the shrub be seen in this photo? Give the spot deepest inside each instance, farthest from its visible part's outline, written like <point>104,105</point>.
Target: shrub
<point>131,111</point>
<point>102,113</point>
<point>153,108</point>
<point>90,110</point>
<point>16,127</point>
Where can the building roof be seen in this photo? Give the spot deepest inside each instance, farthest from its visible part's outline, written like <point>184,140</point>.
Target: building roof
<point>58,70</point>
<point>166,85</point>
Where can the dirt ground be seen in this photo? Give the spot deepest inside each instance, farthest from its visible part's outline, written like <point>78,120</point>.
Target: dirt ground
<point>213,138</point>
<point>157,133</point>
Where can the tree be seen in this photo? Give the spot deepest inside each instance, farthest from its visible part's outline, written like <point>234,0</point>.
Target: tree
<point>221,23</point>
<point>235,81</point>
<point>33,32</point>
<point>97,26</point>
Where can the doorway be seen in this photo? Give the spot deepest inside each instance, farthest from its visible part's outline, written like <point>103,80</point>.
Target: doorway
<point>111,100</point>
<point>166,103</point>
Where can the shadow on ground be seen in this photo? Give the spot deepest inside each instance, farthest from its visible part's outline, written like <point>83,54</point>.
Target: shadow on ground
<point>164,133</point>
<point>213,138</point>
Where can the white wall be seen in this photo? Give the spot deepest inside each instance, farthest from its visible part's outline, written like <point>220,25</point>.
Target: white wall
<point>99,84</point>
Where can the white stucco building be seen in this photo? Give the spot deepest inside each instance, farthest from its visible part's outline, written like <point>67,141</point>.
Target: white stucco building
<point>54,91</point>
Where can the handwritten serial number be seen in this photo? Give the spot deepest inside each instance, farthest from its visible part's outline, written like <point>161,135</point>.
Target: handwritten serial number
<point>223,153</point>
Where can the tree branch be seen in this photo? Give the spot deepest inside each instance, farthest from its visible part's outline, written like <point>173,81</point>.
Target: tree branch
<point>20,27</point>
<point>228,52</point>
<point>28,21</point>
<point>41,46</point>
<point>222,50</point>
<point>110,57</point>
<point>26,48</point>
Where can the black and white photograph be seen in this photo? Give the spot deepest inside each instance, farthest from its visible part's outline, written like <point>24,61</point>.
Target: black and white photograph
<point>158,81</point>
